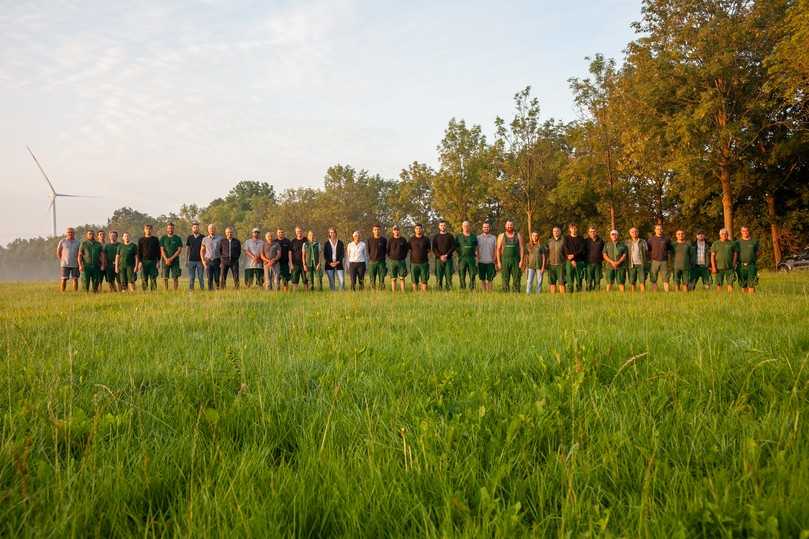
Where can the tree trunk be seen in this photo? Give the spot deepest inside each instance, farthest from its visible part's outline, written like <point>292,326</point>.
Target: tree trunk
<point>529,215</point>
<point>727,200</point>
<point>774,231</point>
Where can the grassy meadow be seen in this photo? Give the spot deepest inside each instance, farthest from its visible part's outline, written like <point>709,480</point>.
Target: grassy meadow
<point>366,415</point>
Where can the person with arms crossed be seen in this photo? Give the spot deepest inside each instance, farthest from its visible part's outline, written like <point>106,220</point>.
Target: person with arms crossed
<point>397,263</point>
<point>419,247</point>
<point>575,253</point>
<point>311,262</point>
<point>110,251</point>
<point>747,249</point>
<point>701,270</point>
<point>615,256</point>
<point>683,260</point>
<point>148,258</point>
<point>254,270</point>
<point>230,249</point>
<point>659,250</point>
<point>724,255</point>
<point>357,255</point>
<point>195,267</point>
<point>171,247</point>
<point>125,261</point>
<point>487,257</point>
<point>443,245</point>
<point>333,255</point>
<point>467,245</point>
<point>211,258</point>
<point>535,263</point>
<point>92,262</point>
<point>637,255</point>
<point>555,261</point>
<point>67,251</point>
<point>594,246</point>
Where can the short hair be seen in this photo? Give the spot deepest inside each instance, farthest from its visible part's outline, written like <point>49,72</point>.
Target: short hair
<point>194,223</point>
<point>418,225</point>
<point>147,225</point>
<point>395,227</point>
<point>442,221</point>
<point>591,227</point>
<point>613,231</point>
<point>721,230</point>
<point>572,225</point>
<point>466,223</point>
<point>700,232</point>
<point>113,231</point>
<point>744,227</point>
<point>376,225</point>
<point>169,224</point>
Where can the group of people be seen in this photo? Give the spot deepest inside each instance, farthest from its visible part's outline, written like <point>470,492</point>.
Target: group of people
<point>569,263</point>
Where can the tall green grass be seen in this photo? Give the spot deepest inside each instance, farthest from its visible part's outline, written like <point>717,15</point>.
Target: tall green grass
<point>446,414</point>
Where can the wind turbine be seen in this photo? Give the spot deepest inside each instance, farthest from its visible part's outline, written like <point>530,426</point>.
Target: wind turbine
<point>53,194</point>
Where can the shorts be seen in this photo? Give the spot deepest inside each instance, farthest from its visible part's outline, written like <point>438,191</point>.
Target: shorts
<point>725,276</point>
<point>70,273</point>
<point>636,275</point>
<point>397,269</point>
<point>682,277</point>
<point>172,270</point>
<point>420,273</point>
<point>748,275</point>
<point>282,272</point>
<point>127,275</point>
<point>297,273</point>
<point>556,275</point>
<point>487,271</point>
<point>657,267</point>
<point>616,275</point>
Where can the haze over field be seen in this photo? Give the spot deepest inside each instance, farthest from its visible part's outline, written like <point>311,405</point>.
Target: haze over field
<point>161,105</point>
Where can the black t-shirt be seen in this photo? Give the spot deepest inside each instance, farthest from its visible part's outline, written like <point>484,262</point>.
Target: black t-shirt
<point>397,248</point>
<point>443,244</point>
<point>149,248</point>
<point>285,246</point>
<point>194,244</point>
<point>574,246</point>
<point>297,250</point>
<point>659,248</point>
<point>377,249</point>
<point>595,250</point>
<point>419,250</point>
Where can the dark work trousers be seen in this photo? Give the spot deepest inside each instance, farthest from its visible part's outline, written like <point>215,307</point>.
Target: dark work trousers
<point>356,271</point>
<point>232,266</point>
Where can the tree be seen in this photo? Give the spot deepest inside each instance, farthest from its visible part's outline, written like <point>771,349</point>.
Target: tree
<point>410,200</point>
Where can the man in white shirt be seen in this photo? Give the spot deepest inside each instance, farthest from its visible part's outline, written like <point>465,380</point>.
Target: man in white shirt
<point>255,265</point>
<point>357,254</point>
<point>487,246</point>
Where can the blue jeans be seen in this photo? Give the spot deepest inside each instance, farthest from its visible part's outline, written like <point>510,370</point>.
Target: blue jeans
<point>213,270</point>
<point>195,271</point>
<point>533,274</point>
<point>331,274</point>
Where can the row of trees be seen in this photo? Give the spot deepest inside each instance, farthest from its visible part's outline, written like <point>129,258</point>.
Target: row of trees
<point>704,124</point>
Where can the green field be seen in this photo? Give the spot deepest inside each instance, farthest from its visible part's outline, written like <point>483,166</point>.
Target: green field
<point>254,414</point>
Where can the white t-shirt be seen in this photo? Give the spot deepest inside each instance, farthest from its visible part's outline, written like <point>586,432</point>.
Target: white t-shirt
<point>357,252</point>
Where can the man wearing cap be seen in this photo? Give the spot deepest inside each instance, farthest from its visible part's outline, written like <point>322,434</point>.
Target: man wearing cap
<point>637,255</point>
<point>311,262</point>
<point>148,258</point>
<point>230,249</point>
<point>171,246</point>
<point>397,255</point>
<point>487,257</point>
<point>701,269</point>
<point>125,260</point>
<point>211,257</point>
<point>67,251</point>
<point>419,248</point>
<point>467,244</point>
<point>747,248</point>
<point>92,262</point>
<point>683,260</point>
<point>724,255</point>
<point>195,267</point>
<point>377,252</point>
<point>254,269</point>
<point>615,257</point>
<point>110,251</point>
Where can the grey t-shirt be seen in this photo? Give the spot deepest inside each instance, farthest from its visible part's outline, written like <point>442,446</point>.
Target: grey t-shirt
<point>211,245</point>
<point>70,253</point>
<point>254,247</point>
<point>487,243</point>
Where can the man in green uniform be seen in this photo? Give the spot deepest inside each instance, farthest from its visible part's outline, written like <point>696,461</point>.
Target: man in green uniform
<point>443,245</point>
<point>397,259</point>
<point>724,255</point>
<point>148,257</point>
<point>110,251</point>
<point>510,253</point>
<point>747,248</point>
<point>683,260</point>
<point>377,252</point>
<point>311,262</point>
<point>171,245</point>
<point>637,254</point>
<point>419,259</point>
<point>92,262</point>
<point>125,263</point>
<point>615,256</point>
<point>467,247</point>
<point>701,268</point>
<point>556,261</point>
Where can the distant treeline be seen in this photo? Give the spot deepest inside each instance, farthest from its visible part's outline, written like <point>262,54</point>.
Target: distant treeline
<point>705,124</point>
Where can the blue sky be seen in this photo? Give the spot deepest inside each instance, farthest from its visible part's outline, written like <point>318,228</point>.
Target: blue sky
<point>160,103</point>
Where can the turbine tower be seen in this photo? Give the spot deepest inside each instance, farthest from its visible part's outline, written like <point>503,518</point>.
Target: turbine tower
<point>53,194</point>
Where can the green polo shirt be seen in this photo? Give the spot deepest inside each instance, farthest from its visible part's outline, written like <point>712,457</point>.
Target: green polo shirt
<point>724,254</point>
<point>682,255</point>
<point>615,251</point>
<point>170,244</point>
<point>90,253</point>
<point>127,252</point>
<point>748,250</point>
<point>110,250</point>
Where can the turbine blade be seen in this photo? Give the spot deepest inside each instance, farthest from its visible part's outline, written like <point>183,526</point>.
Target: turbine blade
<point>74,196</point>
<point>42,171</point>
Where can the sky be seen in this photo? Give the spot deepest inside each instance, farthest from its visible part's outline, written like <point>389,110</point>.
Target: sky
<point>154,104</point>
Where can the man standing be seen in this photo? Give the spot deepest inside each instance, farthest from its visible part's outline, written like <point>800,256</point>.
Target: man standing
<point>125,260</point>
<point>683,260</point>
<point>487,256</point>
<point>282,266</point>
<point>195,268</point>
<point>148,258</point>
<point>357,254</point>
<point>575,253</point>
<point>296,258</point>
<point>333,255</point>
<point>210,257</point>
<point>701,270</point>
<point>230,249</point>
<point>311,261</point>
<point>615,257</point>
<point>724,256</point>
<point>510,253</point>
<point>594,246</point>
<point>171,246</point>
<point>747,248</point>
<point>397,253</point>
<point>270,253</point>
<point>556,261</point>
<point>255,266</point>
<point>419,248</point>
<point>467,244</point>
<point>377,251</point>
<point>443,245</point>
<point>67,251</point>
<point>638,253</point>
<point>92,262</point>
<point>659,250</point>
<point>536,262</point>
<point>110,251</point>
